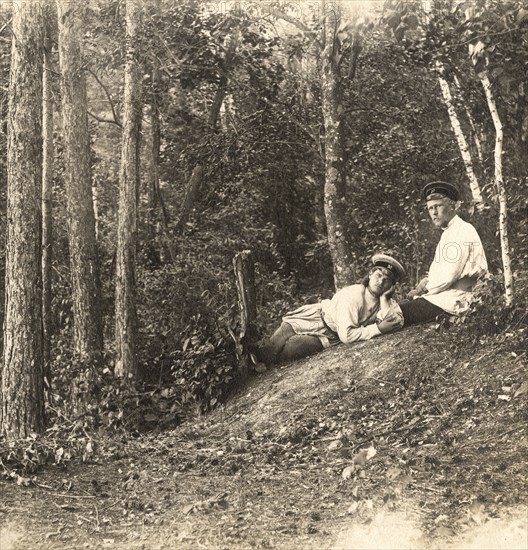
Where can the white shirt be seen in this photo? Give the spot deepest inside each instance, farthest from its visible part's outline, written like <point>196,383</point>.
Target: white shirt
<point>459,259</point>
<point>353,313</point>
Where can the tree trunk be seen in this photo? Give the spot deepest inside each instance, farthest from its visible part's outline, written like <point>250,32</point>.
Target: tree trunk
<point>88,338</point>
<point>47,205</point>
<point>22,396</point>
<point>335,181</point>
<point>125,299</point>
<point>501,192</point>
<point>476,139</point>
<point>245,283</point>
<point>154,196</point>
<point>195,183</point>
<point>459,135</point>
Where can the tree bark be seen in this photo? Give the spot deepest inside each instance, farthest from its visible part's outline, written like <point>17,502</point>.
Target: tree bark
<point>88,338</point>
<point>501,192</point>
<point>335,201</point>
<point>195,182</point>
<point>47,205</point>
<point>245,283</point>
<point>126,330</point>
<point>476,139</point>
<point>460,138</point>
<point>22,396</point>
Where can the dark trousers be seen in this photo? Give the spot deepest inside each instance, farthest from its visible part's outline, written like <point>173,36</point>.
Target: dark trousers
<point>419,311</point>
<point>285,346</point>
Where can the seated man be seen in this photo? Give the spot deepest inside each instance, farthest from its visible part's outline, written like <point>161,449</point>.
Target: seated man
<point>458,261</point>
<point>356,312</point>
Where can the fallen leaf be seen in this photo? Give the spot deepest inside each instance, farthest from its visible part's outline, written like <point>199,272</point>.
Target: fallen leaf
<point>334,445</point>
<point>24,481</point>
<point>364,455</point>
<point>393,473</point>
<point>188,509</point>
<point>522,389</point>
<point>347,472</point>
<point>353,507</point>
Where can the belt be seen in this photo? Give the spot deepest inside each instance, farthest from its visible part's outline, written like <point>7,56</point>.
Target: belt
<point>326,324</point>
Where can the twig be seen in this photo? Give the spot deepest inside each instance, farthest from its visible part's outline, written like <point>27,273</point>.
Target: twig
<point>299,24</point>
<point>493,436</point>
<point>97,526</point>
<point>107,120</point>
<point>110,506</point>
<point>71,496</point>
<point>425,488</point>
<point>5,25</point>
<point>116,117</point>
<point>379,380</point>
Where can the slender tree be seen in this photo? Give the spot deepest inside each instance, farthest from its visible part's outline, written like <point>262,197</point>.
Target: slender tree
<point>459,135</point>
<point>195,181</point>
<point>126,328</point>
<point>88,340</point>
<point>335,198</point>
<point>22,397</point>
<point>501,190</point>
<point>339,46</point>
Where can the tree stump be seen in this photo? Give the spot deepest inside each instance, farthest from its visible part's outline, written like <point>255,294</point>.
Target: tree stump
<point>244,268</point>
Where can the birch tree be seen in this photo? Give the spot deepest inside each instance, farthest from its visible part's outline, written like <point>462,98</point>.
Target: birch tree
<point>459,135</point>
<point>84,268</point>
<point>22,396</point>
<point>126,325</point>
<point>501,191</point>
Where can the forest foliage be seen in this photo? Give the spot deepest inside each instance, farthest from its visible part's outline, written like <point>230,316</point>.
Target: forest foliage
<point>238,94</point>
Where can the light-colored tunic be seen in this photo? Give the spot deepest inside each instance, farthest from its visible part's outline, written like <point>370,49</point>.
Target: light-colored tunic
<point>351,315</point>
<point>459,259</point>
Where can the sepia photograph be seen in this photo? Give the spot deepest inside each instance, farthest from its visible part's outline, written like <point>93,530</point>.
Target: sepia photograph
<point>264,274</point>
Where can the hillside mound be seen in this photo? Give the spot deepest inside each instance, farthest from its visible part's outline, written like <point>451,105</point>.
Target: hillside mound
<point>414,440</point>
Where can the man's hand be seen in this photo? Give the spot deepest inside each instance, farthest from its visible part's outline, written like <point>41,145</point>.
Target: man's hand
<point>421,288</point>
<point>388,293</point>
<point>389,324</point>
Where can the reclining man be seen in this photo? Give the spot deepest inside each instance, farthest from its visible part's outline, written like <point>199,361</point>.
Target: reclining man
<point>356,312</point>
<point>458,262</point>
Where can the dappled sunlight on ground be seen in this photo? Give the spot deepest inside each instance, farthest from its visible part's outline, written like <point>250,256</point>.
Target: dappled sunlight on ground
<point>399,531</point>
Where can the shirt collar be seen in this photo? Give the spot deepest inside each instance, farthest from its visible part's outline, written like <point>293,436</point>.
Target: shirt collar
<point>451,222</point>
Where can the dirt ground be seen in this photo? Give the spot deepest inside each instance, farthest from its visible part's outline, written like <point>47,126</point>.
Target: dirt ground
<point>407,441</point>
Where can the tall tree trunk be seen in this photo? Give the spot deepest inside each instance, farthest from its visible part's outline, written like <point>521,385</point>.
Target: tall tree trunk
<point>88,339</point>
<point>501,192</point>
<point>195,182</point>
<point>22,396</point>
<point>335,180</point>
<point>154,192</point>
<point>47,204</point>
<point>125,300</point>
<point>460,138</point>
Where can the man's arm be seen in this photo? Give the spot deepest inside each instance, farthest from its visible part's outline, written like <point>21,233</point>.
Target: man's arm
<point>347,320</point>
<point>449,266</point>
<point>419,289</point>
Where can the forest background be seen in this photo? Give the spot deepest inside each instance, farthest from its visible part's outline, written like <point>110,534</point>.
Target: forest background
<point>207,129</point>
